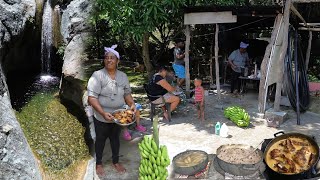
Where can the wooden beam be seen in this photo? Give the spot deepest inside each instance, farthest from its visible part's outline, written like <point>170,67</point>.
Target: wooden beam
<point>216,59</point>
<point>311,24</point>
<point>186,60</point>
<point>263,69</point>
<point>209,17</point>
<point>308,50</point>
<point>284,47</point>
<point>296,12</point>
<point>306,1</point>
<point>308,29</point>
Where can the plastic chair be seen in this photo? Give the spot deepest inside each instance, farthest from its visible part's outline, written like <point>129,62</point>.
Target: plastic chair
<point>154,106</point>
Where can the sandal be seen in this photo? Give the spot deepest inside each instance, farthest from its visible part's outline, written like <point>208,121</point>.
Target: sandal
<point>119,168</point>
<point>126,135</point>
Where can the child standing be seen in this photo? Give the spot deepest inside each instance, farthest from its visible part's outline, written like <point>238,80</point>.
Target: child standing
<point>199,97</point>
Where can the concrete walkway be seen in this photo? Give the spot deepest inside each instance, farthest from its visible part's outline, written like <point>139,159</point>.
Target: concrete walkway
<point>186,132</point>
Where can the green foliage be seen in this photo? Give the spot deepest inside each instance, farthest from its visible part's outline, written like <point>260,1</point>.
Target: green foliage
<point>312,78</point>
<point>53,134</point>
<point>134,18</point>
<point>61,50</point>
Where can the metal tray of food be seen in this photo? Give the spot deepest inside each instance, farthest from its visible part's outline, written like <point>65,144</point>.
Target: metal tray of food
<point>123,117</point>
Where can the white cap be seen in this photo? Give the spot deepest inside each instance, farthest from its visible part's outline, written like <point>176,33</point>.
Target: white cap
<point>243,45</point>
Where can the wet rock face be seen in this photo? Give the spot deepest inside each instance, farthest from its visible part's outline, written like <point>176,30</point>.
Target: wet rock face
<point>75,30</point>
<point>16,158</point>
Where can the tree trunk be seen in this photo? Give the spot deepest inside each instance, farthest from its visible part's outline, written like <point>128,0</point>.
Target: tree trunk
<point>146,55</point>
<point>186,60</point>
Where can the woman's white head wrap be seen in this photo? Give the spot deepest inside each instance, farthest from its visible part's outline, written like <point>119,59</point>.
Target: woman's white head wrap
<point>111,49</point>
<point>243,45</point>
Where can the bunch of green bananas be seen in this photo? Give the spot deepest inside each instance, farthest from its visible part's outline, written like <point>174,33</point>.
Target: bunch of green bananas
<point>154,160</point>
<point>237,115</point>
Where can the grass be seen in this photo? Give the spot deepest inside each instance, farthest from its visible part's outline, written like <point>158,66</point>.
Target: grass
<point>55,136</point>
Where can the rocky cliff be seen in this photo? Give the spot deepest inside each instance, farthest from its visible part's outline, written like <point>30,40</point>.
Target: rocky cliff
<point>76,31</point>
<point>16,158</point>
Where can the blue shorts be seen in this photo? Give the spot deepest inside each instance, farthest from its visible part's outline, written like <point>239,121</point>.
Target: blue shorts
<point>179,70</point>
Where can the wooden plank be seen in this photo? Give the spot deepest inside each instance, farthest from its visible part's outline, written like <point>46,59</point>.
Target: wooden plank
<point>186,60</point>
<point>216,59</point>
<point>263,69</point>
<point>209,17</point>
<point>286,17</point>
<point>308,50</point>
<point>296,12</point>
<point>308,29</point>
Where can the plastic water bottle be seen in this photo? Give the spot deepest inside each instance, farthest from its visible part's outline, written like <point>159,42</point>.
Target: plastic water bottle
<point>217,128</point>
<point>224,130</point>
<point>138,106</point>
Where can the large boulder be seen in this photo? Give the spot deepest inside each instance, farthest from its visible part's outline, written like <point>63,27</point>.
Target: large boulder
<point>16,158</point>
<point>75,29</point>
<point>16,19</point>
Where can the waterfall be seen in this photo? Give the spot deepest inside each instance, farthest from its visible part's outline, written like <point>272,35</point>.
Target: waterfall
<point>46,37</point>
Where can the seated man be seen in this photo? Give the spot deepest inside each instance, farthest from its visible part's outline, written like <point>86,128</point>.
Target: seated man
<point>159,86</point>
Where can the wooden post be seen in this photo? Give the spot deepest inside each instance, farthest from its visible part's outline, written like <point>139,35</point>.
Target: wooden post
<point>186,60</point>
<point>211,65</point>
<point>286,16</point>
<point>264,64</point>
<point>216,58</point>
<point>308,50</point>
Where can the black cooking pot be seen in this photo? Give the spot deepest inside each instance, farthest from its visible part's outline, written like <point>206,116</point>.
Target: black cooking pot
<point>280,136</point>
<point>240,169</point>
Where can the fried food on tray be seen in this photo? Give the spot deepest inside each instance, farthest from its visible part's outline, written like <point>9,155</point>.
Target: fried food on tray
<point>124,117</point>
<point>290,156</point>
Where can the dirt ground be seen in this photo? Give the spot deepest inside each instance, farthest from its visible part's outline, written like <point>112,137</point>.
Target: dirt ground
<point>185,132</point>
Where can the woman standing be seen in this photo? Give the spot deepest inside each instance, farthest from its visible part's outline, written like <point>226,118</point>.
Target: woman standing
<point>109,90</point>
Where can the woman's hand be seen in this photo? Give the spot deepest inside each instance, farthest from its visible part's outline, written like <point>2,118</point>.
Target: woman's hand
<point>108,116</point>
<point>133,107</point>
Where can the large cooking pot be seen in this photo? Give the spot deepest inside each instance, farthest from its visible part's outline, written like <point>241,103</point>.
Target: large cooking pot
<point>281,136</point>
<point>240,169</point>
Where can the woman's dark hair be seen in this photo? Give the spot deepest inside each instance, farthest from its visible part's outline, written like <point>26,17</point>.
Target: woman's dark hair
<point>161,68</point>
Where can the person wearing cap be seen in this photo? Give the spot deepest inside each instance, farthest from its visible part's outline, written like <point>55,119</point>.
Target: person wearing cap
<point>237,59</point>
<point>178,64</point>
<point>108,90</point>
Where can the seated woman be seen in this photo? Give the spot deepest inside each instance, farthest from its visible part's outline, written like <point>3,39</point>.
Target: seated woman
<point>158,86</point>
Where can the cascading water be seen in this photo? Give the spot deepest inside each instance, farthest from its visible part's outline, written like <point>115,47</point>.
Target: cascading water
<point>46,37</point>
<point>31,84</point>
